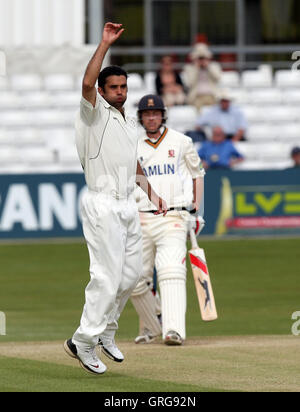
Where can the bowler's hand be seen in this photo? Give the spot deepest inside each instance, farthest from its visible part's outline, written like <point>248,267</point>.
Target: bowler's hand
<point>162,207</point>
<point>111,32</point>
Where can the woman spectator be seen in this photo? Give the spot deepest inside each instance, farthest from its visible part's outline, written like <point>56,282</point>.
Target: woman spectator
<point>169,85</point>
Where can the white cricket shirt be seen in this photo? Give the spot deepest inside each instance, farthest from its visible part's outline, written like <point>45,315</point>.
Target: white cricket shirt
<point>107,148</point>
<point>170,164</point>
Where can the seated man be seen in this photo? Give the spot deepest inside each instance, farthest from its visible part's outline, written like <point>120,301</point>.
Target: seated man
<point>295,155</point>
<point>219,153</point>
<point>229,117</point>
<point>201,77</point>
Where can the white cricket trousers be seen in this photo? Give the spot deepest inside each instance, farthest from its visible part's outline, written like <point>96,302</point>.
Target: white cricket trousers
<point>164,246</point>
<point>112,231</point>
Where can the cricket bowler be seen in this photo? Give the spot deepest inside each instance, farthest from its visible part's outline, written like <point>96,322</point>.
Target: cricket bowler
<point>107,146</point>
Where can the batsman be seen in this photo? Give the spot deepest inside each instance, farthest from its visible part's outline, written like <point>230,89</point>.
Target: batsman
<point>173,167</point>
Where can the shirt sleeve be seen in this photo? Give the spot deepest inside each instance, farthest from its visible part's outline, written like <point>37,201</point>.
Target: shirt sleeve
<point>241,120</point>
<point>192,159</point>
<point>88,113</point>
<point>205,118</point>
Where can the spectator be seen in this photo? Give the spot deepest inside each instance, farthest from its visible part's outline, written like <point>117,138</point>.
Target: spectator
<point>169,85</point>
<point>201,77</point>
<point>219,153</point>
<point>295,155</point>
<point>228,116</point>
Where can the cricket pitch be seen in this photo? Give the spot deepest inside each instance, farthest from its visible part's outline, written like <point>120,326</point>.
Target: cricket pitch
<point>241,363</point>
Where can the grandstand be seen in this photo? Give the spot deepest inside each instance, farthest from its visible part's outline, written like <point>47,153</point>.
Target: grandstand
<point>40,93</point>
<point>37,115</point>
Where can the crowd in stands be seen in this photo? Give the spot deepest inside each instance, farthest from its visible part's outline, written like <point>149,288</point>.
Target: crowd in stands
<point>226,113</point>
<point>220,123</point>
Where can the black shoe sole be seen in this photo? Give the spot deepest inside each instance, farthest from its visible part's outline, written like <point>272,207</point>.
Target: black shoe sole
<point>172,343</point>
<point>71,350</point>
<point>108,354</point>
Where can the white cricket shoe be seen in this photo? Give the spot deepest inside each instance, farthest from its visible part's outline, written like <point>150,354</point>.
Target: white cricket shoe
<point>110,349</point>
<point>173,338</point>
<point>87,357</point>
<point>145,338</point>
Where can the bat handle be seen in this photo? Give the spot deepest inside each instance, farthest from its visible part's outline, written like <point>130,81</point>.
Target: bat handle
<point>193,239</point>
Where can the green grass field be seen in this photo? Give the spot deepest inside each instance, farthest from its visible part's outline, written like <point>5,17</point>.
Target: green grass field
<point>249,348</point>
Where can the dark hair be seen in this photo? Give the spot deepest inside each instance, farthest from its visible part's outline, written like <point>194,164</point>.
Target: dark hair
<point>110,71</point>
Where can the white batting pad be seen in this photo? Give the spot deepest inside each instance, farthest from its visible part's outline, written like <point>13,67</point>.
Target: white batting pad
<point>173,301</point>
<point>145,305</point>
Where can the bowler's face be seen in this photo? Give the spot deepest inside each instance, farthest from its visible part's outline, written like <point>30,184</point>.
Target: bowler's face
<point>115,91</point>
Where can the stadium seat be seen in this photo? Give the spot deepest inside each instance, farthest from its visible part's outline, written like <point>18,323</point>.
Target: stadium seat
<point>265,96</point>
<point>273,152</point>
<point>256,78</point>
<point>266,68</point>
<point>290,96</point>
<point>53,118</point>
<point>287,78</point>
<point>248,149</point>
<point>5,138</point>
<point>57,138</point>
<point>9,100</point>
<point>262,132</point>
<point>37,156</point>
<point>230,79</point>
<point>4,83</point>
<point>27,137</point>
<point>239,96</point>
<point>15,118</point>
<point>68,157</point>
<point>70,99</point>
<point>9,155</point>
<point>253,113</point>
<point>281,113</point>
<point>135,82</point>
<point>26,82</point>
<point>18,168</point>
<point>252,165</point>
<point>289,132</point>
<point>149,80</point>
<point>59,82</point>
<point>20,137</point>
<point>133,99</point>
<point>36,100</point>
<point>78,83</point>
<point>182,118</point>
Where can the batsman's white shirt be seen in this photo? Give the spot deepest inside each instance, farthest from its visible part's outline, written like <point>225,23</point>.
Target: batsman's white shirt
<point>107,145</point>
<point>170,164</point>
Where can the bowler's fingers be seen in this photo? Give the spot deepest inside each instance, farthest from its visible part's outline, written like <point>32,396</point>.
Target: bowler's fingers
<point>116,27</point>
<point>119,33</point>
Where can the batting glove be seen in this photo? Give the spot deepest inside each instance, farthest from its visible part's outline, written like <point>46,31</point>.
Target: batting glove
<point>197,223</point>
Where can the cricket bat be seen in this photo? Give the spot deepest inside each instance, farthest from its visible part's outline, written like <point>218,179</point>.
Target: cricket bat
<point>202,281</point>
